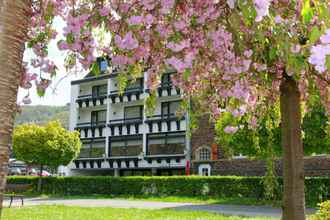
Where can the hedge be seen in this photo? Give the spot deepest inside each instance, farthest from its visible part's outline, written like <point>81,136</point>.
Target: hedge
<point>317,188</point>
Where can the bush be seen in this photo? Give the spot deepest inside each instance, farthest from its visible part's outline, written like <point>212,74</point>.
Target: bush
<point>323,213</point>
<point>317,189</point>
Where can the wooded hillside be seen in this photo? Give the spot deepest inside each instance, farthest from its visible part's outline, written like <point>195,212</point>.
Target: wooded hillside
<point>41,114</point>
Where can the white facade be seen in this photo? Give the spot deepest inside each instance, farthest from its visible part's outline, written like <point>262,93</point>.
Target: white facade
<point>117,135</point>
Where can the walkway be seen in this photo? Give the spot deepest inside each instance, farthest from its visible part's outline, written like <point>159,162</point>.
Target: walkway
<point>119,203</point>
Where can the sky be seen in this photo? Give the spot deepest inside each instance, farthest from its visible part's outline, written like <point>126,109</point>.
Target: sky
<point>60,94</point>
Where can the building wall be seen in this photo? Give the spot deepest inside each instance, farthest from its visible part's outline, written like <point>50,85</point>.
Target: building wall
<point>73,107</point>
<point>204,136</point>
<point>314,166</point>
<point>121,158</point>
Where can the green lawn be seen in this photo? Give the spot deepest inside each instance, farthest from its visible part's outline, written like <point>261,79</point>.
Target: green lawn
<point>82,213</point>
<point>185,199</point>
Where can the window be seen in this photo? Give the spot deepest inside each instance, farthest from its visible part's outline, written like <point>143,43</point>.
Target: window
<point>92,149</point>
<point>127,146</point>
<point>133,112</point>
<point>103,65</point>
<point>204,170</point>
<point>97,149</point>
<point>170,108</point>
<point>98,116</point>
<point>168,143</point>
<point>132,85</point>
<point>99,90</point>
<point>204,154</point>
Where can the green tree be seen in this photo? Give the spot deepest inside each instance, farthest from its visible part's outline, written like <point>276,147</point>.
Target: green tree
<point>50,145</point>
<point>254,142</point>
<point>316,131</point>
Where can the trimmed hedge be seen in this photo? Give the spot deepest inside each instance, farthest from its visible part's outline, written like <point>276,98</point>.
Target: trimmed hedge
<point>317,189</point>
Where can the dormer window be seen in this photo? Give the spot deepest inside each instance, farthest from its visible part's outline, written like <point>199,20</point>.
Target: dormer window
<point>103,65</point>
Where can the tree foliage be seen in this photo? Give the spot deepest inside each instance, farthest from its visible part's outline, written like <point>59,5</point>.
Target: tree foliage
<point>49,145</point>
<point>254,142</point>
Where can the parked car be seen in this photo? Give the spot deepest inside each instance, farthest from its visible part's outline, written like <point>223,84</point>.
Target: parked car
<point>36,172</point>
<point>16,167</point>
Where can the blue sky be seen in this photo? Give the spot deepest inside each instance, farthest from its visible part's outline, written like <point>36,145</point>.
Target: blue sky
<point>61,95</point>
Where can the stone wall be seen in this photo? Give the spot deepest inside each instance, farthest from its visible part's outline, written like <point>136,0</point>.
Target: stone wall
<point>314,166</point>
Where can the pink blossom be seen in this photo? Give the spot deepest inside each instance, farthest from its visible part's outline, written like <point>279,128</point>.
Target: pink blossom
<point>262,8</point>
<point>325,39</point>
<point>128,42</point>
<point>163,30</point>
<point>189,57</point>
<point>278,19</point>
<point>248,53</point>
<point>166,6</point>
<point>178,64</point>
<point>318,57</point>
<point>104,11</point>
<point>231,3</point>
<point>177,47</point>
<point>135,20</point>
<point>180,25</point>
<point>121,60</point>
<point>216,111</point>
<point>231,129</point>
<point>149,19</point>
<point>63,45</point>
<point>254,122</point>
<point>246,65</point>
<point>149,4</point>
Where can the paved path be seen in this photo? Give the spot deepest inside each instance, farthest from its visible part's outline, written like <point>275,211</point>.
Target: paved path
<point>119,203</point>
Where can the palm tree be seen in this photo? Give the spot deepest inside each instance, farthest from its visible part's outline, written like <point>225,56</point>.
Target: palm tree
<point>14,18</point>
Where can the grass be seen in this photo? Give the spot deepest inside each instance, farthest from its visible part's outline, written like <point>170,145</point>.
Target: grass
<point>178,199</point>
<point>83,213</point>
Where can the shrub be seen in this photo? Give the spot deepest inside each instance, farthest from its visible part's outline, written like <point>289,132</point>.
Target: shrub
<point>323,213</point>
<point>317,188</point>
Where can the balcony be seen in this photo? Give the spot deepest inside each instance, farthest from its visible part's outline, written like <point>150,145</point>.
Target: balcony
<point>166,89</point>
<point>161,123</point>
<point>125,146</point>
<point>83,163</point>
<point>94,148</point>
<point>130,94</point>
<point>125,126</point>
<point>91,100</point>
<point>91,129</point>
<point>169,143</point>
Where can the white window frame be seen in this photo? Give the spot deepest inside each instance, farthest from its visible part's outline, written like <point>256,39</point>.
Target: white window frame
<point>201,167</point>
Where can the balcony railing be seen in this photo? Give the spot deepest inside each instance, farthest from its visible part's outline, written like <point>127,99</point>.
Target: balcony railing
<point>93,98</point>
<point>129,123</point>
<point>168,87</point>
<point>129,92</point>
<point>167,119</point>
<point>126,121</point>
<point>91,124</point>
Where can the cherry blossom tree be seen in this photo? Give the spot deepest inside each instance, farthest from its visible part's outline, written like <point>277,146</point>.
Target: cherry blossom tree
<point>236,56</point>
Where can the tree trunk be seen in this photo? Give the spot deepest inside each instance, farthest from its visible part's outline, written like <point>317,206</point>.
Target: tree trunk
<point>293,155</point>
<point>40,180</point>
<point>13,27</point>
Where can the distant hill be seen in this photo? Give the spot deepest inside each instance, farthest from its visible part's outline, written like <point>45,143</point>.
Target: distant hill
<point>41,114</point>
